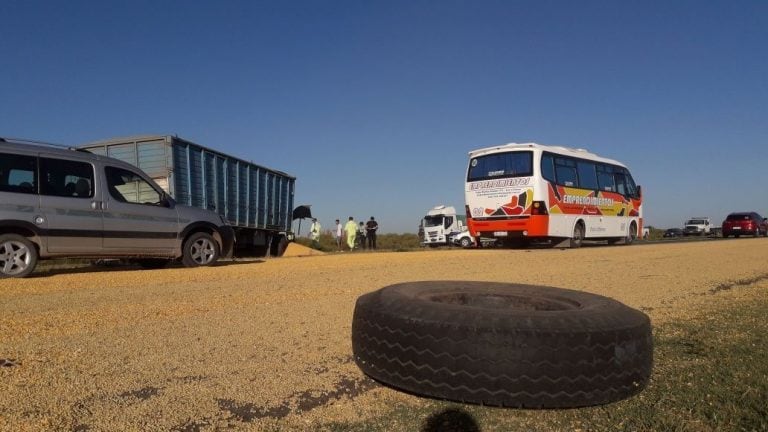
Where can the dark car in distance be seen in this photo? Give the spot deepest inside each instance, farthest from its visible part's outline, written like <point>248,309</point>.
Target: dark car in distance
<point>745,223</point>
<point>673,232</point>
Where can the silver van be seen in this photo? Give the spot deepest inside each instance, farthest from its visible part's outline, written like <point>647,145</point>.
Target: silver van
<point>67,202</point>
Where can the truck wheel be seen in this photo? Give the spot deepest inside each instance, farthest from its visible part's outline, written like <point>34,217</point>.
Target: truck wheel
<point>502,344</point>
<point>18,256</point>
<point>200,249</point>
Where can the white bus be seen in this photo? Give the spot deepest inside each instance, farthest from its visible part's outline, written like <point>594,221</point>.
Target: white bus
<point>521,192</point>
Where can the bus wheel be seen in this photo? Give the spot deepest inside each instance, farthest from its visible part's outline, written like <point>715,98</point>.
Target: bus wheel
<point>632,235</point>
<point>578,235</point>
<point>502,344</point>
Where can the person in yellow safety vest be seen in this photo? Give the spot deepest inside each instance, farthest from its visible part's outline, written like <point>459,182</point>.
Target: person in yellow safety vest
<point>351,228</point>
<point>314,233</point>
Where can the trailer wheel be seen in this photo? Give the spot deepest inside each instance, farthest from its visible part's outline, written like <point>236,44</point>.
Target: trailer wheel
<point>279,246</point>
<point>200,249</point>
<point>502,344</point>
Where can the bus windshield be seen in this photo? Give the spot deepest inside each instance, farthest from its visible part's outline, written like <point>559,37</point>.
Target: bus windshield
<point>501,165</point>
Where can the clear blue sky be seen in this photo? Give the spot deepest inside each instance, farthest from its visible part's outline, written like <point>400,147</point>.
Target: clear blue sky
<point>373,105</point>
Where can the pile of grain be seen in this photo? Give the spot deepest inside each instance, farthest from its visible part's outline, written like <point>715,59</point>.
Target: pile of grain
<point>296,250</point>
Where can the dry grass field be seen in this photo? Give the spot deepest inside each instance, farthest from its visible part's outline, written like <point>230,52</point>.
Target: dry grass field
<point>265,344</point>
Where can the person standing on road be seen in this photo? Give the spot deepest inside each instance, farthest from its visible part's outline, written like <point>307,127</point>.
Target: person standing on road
<point>314,233</point>
<point>371,226</point>
<point>351,230</point>
<point>337,234</point>
<point>361,235</point>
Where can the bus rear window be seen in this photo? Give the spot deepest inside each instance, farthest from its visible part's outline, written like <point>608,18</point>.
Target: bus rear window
<point>501,165</point>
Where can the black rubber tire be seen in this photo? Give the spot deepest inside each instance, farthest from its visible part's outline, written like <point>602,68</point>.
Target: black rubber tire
<point>188,257</point>
<point>502,344</point>
<point>631,235</point>
<point>465,242</point>
<point>279,245</point>
<point>14,244</point>
<point>578,235</point>
<point>152,263</point>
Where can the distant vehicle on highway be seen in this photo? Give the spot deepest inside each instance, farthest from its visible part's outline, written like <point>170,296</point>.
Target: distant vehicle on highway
<point>673,232</point>
<point>745,223</point>
<point>699,226</point>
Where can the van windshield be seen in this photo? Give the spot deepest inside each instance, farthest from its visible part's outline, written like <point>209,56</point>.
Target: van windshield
<point>696,222</point>
<point>501,165</point>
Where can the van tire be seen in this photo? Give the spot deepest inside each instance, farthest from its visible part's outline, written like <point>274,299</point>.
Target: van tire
<point>12,248</point>
<point>502,344</point>
<point>465,242</point>
<point>200,249</point>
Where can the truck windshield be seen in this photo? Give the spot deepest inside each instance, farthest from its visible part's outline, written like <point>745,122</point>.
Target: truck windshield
<point>433,221</point>
<point>696,222</point>
<point>501,165</point>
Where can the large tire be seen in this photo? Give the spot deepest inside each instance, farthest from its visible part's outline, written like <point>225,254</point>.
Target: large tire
<point>200,249</point>
<point>18,256</point>
<point>502,344</point>
<point>279,245</point>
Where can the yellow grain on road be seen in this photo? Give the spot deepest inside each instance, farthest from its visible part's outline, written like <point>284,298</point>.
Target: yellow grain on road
<point>263,344</point>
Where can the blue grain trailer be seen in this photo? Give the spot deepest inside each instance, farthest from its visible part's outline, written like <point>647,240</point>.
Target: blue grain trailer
<point>257,201</point>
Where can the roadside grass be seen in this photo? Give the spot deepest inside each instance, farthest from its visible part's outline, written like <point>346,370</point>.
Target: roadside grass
<point>710,374</point>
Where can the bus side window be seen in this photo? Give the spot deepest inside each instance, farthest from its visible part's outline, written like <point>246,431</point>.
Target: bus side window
<point>621,183</point>
<point>587,175</point>
<point>547,167</point>
<point>565,170</point>
<point>605,180</point>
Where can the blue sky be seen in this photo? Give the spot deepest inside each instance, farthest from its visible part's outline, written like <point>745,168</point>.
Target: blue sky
<point>373,105</point>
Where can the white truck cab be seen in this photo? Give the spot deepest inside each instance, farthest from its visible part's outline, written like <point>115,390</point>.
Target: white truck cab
<point>699,226</point>
<point>440,224</point>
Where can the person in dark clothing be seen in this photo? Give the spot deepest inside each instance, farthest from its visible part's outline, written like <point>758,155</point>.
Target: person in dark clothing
<point>370,227</point>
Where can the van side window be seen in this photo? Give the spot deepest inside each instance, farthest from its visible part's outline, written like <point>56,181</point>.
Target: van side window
<point>127,186</point>
<point>66,178</point>
<point>18,173</point>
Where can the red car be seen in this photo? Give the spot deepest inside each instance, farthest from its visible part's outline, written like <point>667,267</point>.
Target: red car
<point>745,223</point>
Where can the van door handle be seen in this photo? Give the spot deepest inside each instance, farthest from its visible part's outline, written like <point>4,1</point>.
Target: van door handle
<point>96,205</point>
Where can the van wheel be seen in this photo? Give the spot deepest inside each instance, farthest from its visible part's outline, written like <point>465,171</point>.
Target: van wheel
<point>18,256</point>
<point>502,344</point>
<point>200,249</point>
<point>465,242</point>
<point>578,235</point>
<point>152,263</point>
